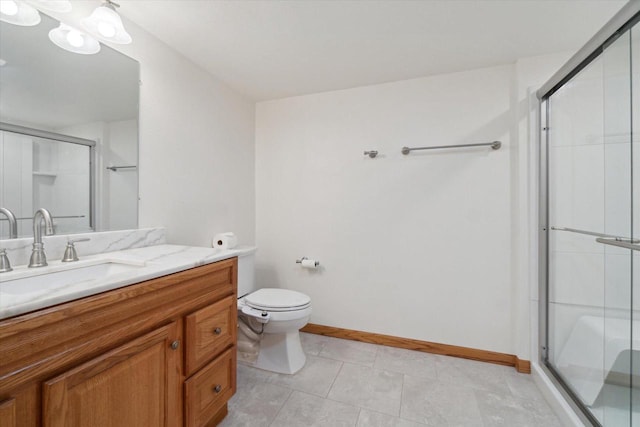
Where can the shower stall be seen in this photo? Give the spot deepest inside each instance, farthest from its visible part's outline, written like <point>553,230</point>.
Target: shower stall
<point>590,225</point>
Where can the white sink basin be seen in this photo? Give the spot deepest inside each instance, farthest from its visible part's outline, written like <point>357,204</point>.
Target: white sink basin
<point>63,275</point>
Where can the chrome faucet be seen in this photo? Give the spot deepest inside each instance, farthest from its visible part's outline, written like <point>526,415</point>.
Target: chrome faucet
<point>38,258</point>
<point>13,224</point>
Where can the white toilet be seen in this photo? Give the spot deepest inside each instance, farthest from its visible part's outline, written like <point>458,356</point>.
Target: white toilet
<point>269,323</point>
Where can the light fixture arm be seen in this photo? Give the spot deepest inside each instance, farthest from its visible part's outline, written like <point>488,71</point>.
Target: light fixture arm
<point>111,4</point>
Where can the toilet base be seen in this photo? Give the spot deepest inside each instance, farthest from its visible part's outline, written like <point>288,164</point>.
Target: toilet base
<point>281,353</point>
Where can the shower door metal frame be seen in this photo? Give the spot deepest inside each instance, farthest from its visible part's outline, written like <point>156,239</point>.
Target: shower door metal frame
<point>620,23</point>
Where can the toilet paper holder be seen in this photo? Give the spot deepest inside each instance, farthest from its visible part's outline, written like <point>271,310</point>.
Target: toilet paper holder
<point>299,261</point>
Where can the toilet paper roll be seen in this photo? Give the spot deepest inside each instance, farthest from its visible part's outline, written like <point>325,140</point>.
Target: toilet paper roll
<point>226,240</point>
<point>310,263</point>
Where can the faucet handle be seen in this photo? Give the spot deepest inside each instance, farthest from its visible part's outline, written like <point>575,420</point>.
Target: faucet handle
<point>5,265</point>
<point>70,253</point>
<point>71,242</point>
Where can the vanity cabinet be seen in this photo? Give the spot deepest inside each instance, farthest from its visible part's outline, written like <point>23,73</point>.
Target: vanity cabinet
<point>157,353</point>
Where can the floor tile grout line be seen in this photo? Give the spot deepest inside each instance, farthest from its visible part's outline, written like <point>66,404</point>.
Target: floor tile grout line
<point>384,413</point>
<point>401,396</point>
<point>466,386</point>
<point>358,417</point>
<point>282,406</point>
<point>343,361</point>
<point>334,380</point>
<point>378,369</point>
<point>360,408</point>
<point>356,405</point>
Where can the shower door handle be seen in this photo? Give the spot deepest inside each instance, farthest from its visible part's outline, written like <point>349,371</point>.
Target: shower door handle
<point>620,243</point>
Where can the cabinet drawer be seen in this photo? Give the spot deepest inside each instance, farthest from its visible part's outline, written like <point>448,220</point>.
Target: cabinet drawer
<point>209,331</point>
<point>209,389</point>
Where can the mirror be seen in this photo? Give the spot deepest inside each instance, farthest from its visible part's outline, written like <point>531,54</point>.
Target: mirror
<point>68,133</point>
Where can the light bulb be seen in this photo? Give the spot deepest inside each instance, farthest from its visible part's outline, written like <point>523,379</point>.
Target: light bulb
<point>18,13</point>
<point>8,7</point>
<point>106,29</point>
<point>75,39</point>
<point>105,24</point>
<point>68,38</point>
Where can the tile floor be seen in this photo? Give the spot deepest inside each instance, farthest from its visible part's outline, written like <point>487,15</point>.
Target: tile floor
<point>349,383</point>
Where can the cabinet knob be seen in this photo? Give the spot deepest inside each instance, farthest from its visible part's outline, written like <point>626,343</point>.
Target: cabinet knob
<point>175,345</point>
<point>217,388</point>
<point>217,331</point>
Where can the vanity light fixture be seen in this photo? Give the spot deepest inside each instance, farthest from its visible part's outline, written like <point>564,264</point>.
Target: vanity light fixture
<point>68,38</point>
<point>18,13</point>
<point>52,5</point>
<point>106,24</point>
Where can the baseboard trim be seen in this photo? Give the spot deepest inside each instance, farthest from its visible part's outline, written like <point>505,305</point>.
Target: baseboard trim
<point>523,366</point>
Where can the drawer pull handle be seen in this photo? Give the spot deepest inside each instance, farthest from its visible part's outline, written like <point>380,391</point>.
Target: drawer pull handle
<point>217,331</point>
<point>217,388</point>
<point>175,345</point>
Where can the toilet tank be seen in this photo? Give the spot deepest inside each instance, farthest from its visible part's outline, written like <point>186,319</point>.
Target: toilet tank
<point>246,274</point>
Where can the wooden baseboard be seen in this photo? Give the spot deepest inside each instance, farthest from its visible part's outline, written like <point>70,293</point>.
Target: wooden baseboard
<point>522,366</point>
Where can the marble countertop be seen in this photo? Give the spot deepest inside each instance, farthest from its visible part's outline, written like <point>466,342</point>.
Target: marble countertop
<point>20,291</point>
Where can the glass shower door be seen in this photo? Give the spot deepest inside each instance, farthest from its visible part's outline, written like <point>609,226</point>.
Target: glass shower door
<point>614,403</point>
<point>589,152</point>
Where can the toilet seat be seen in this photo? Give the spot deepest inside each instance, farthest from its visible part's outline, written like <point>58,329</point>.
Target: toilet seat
<point>273,299</point>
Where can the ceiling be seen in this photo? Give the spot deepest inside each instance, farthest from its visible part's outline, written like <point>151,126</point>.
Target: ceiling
<point>276,49</point>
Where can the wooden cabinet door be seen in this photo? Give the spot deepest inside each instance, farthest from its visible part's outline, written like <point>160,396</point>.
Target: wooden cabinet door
<point>137,384</point>
<point>8,413</point>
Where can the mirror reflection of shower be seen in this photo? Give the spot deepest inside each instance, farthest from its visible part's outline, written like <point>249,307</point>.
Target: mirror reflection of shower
<point>58,172</point>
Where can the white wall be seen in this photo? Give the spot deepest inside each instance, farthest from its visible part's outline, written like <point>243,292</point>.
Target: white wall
<point>196,151</point>
<point>196,145</point>
<point>424,246</point>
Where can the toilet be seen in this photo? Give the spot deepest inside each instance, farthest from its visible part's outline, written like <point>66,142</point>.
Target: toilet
<point>269,323</point>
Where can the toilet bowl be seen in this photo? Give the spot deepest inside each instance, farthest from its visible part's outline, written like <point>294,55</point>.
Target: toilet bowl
<point>270,320</point>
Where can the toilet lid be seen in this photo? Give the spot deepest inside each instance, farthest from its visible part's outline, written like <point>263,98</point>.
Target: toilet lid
<point>277,299</point>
